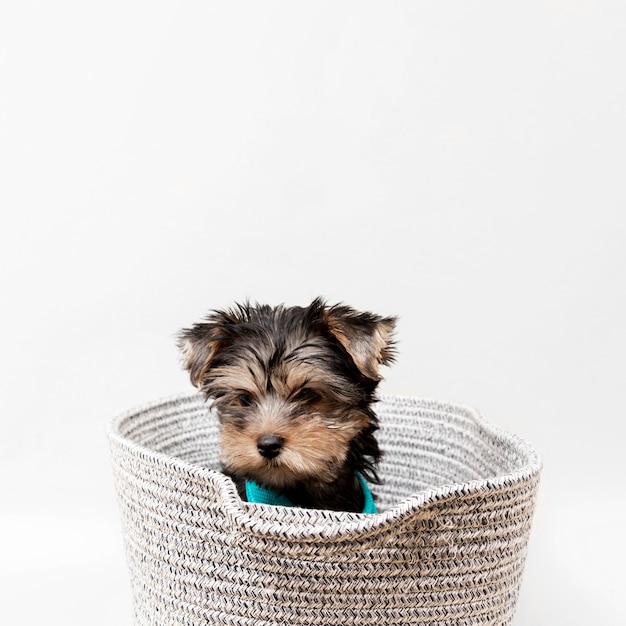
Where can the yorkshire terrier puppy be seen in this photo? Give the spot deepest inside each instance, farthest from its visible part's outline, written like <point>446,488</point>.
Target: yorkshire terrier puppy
<point>293,389</point>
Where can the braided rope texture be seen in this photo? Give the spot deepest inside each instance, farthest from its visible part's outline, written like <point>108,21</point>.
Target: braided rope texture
<point>447,547</point>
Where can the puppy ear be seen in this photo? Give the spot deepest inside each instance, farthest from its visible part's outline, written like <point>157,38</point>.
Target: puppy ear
<point>367,338</point>
<point>199,345</point>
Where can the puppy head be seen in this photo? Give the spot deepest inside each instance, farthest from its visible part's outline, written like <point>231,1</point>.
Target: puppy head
<point>292,386</point>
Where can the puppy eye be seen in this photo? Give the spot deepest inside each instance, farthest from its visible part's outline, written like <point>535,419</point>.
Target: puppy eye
<point>245,399</point>
<point>307,395</point>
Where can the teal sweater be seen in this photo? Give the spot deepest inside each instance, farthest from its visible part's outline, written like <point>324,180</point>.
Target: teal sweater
<point>262,495</point>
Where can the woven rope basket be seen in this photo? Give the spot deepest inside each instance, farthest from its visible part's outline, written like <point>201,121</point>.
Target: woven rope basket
<point>447,546</point>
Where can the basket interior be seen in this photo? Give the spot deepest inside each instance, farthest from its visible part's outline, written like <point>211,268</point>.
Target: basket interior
<point>426,444</point>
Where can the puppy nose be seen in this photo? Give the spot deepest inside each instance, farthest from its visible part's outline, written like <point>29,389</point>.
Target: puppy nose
<point>269,445</point>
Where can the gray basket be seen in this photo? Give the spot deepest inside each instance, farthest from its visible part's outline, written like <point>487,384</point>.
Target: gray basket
<point>447,547</point>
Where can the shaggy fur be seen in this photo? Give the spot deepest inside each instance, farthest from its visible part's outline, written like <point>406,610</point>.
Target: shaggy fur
<point>293,387</point>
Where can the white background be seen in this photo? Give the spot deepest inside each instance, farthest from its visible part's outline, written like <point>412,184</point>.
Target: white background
<point>458,164</point>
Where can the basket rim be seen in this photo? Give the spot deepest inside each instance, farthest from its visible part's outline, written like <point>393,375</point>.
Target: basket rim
<point>314,524</point>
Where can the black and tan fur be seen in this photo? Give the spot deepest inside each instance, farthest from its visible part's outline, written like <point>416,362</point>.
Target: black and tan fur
<point>293,388</point>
